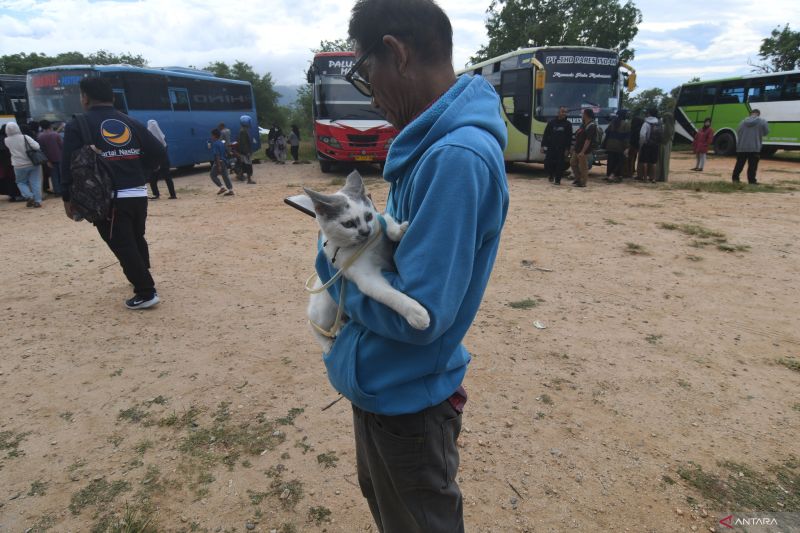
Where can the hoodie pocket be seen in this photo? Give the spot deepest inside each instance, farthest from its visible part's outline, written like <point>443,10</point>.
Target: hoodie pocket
<point>342,365</point>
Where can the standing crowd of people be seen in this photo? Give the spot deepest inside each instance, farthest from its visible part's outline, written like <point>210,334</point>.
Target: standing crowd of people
<point>639,148</point>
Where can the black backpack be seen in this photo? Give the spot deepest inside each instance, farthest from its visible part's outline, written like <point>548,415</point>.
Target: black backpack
<point>92,192</point>
<point>656,135</point>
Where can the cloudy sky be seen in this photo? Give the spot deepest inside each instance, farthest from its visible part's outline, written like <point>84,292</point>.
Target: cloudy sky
<point>677,40</point>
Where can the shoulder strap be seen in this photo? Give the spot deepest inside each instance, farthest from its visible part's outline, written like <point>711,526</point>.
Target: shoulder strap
<point>83,126</point>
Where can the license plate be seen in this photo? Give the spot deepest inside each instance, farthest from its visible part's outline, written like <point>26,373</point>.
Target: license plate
<point>363,158</point>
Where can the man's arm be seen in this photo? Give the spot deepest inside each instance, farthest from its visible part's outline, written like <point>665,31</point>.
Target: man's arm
<point>72,142</point>
<point>153,152</point>
<point>454,197</point>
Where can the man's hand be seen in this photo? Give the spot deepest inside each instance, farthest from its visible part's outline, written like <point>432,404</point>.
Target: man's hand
<point>68,210</point>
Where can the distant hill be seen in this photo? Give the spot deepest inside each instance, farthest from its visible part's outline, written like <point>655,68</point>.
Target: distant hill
<point>288,94</point>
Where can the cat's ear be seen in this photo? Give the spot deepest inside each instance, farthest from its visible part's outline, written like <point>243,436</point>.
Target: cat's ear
<point>327,205</point>
<point>354,186</point>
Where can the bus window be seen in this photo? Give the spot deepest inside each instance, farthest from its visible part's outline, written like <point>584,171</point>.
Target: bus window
<point>120,104</point>
<point>731,94</point>
<point>707,95</point>
<point>179,99</point>
<point>477,72</point>
<point>792,89</point>
<point>146,91</point>
<point>509,63</point>
<point>690,95</point>
<point>765,90</point>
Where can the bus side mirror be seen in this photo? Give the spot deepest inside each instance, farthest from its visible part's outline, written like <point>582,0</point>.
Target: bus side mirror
<point>310,75</point>
<point>540,75</point>
<point>632,82</point>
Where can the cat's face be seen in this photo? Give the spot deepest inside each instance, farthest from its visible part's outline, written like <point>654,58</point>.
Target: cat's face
<point>347,217</point>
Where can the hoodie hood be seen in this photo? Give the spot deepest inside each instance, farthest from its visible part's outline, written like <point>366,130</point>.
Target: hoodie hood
<point>12,128</point>
<point>651,120</point>
<point>751,122</point>
<point>471,101</point>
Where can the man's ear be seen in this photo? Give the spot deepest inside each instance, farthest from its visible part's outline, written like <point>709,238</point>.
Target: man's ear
<point>401,53</point>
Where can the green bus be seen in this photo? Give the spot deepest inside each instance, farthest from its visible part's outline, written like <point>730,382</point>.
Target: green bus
<point>534,82</point>
<point>728,101</point>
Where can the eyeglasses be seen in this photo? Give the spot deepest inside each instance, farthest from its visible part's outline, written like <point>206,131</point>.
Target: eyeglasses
<point>361,83</point>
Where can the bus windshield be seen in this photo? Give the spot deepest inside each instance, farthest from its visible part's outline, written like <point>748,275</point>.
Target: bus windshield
<point>55,95</point>
<point>577,96</point>
<point>336,99</point>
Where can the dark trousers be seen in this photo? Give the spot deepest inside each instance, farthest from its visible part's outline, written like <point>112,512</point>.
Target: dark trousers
<point>554,163</point>
<point>407,468</point>
<point>295,152</point>
<point>752,159</point>
<point>615,164</point>
<point>124,234</point>
<point>161,174</point>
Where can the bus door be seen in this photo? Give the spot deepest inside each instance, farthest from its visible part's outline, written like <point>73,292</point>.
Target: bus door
<point>516,95</point>
<point>184,143</point>
<point>120,102</point>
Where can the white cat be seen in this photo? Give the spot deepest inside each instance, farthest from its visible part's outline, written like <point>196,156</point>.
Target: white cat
<point>348,221</point>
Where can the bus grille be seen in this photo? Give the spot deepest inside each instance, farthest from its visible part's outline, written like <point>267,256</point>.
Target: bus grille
<point>363,141</point>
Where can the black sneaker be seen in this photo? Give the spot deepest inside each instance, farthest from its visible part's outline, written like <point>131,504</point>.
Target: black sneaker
<point>137,302</point>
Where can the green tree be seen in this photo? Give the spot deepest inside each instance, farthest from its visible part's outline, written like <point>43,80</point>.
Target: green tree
<point>21,63</point>
<point>650,98</point>
<point>269,112</point>
<point>780,51</point>
<point>514,24</point>
<point>336,45</point>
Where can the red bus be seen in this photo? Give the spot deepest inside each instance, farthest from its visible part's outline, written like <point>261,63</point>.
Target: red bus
<point>347,129</point>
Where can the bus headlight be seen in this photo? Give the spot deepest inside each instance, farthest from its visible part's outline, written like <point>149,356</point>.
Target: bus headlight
<point>330,141</point>
<point>388,144</point>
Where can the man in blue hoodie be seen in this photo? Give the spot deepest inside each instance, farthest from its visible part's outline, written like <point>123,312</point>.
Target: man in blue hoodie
<point>448,180</point>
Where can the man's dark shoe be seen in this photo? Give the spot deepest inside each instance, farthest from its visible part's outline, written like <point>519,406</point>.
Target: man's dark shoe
<point>736,180</point>
<point>752,183</point>
<point>138,302</point>
<point>576,184</point>
<point>29,203</point>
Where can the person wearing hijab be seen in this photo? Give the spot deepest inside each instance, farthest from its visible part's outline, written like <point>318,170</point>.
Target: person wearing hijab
<point>163,170</point>
<point>28,175</point>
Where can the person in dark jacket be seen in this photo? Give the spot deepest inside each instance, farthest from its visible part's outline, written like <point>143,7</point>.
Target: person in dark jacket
<point>52,145</point>
<point>631,168</point>
<point>749,136</point>
<point>556,141</point>
<point>244,147</point>
<point>132,153</point>
<point>617,138</point>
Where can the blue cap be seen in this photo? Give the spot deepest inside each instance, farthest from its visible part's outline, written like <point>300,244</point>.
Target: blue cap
<point>245,119</point>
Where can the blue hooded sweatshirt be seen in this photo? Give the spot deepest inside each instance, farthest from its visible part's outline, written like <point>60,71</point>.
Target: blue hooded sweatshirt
<point>448,180</point>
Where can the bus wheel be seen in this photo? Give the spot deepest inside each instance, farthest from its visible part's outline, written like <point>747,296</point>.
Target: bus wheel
<point>325,166</point>
<point>725,144</point>
<point>768,151</point>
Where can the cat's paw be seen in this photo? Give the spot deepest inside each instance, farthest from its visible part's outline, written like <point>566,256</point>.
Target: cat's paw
<point>402,228</point>
<point>418,317</point>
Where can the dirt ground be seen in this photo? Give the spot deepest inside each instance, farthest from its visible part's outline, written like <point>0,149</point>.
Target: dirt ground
<point>661,353</point>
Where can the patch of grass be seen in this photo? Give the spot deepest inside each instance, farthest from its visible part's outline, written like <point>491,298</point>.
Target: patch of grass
<point>527,303</point>
<point>612,222</point>
<point>694,230</point>
<point>328,460</point>
<point>143,446</point>
<point>116,373</point>
<point>791,364</point>
<point>38,488</point>
<point>287,527</point>
<point>256,497</point>
<point>540,415</point>
<point>635,249</point>
<point>115,440</point>
<point>739,488</point>
<point>134,519</point>
<point>97,492</point>
<point>133,414</point>
<point>80,463</point>
<point>796,407</point>
<point>694,258</point>
<point>668,480</point>
<point>318,515</point>
<point>685,384</point>
<point>725,247</point>
<point>546,399</point>
<point>205,478</point>
<point>293,413</point>
<point>10,441</point>
<point>305,447</point>
<point>158,400</point>
<point>723,187</point>
<point>66,416</point>
<point>288,492</point>
<point>653,339</point>
<point>44,523</point>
